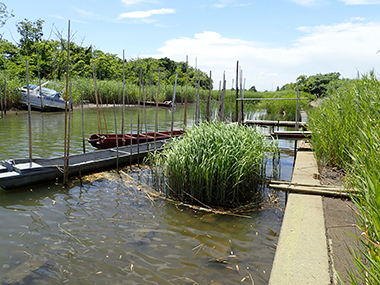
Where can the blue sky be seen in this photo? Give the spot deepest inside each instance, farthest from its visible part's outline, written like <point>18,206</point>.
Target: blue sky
<point>274,41</point>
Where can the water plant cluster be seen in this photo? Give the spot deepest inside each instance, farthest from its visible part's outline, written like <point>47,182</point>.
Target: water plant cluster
<point>215,164</point>
<point>346,134</point>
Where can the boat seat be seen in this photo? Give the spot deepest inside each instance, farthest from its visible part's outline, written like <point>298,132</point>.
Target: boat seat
<point>3,169</point>
<point>26,166</point>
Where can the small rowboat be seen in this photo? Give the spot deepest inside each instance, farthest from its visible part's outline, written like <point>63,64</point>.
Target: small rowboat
<point>103,141</point>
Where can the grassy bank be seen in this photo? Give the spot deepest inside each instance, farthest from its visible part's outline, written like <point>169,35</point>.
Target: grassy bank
<point>346,134</point>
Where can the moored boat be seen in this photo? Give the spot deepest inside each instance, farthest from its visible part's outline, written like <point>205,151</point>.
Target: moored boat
<point>16,173</point>
<point>103,141</point>
<point>43,98</point>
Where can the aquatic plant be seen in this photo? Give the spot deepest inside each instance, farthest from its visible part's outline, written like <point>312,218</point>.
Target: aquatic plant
<point>346,134</point>
<point>214,164</point>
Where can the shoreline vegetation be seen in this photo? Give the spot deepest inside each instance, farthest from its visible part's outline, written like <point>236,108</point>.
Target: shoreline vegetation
<point>346,136</point>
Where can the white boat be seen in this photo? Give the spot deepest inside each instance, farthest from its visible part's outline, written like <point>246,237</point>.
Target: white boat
<point>43,98</point>
<point>17,173</point>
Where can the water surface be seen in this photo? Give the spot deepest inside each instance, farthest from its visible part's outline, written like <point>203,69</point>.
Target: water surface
<point>109,231</point>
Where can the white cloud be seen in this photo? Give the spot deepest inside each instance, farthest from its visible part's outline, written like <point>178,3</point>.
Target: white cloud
<point>345,48</point>
<point>360,2</point>
<point>306,2</point>
<point>134,2</point>
<point>146,14</point>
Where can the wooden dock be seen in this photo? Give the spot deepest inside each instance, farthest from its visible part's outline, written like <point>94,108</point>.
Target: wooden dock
<point>275,123</point>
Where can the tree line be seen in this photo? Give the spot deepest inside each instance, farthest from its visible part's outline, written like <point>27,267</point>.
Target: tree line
<point>47,59</point>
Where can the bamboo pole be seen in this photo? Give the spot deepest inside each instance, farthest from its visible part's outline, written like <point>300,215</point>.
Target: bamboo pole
<point>241,102</point>
<point>66,159</point>
<point>237,93</point>
<point>223,97</point>
<point>208,104</point>
<point>29,110</point>
<point>117,139</point>
<point>83,139</point>
<point>232,88</point>
<point>100,130</point>
<point>69,133</point>
<point>174,91</point>
<point>138,119</point>
<point>123,112</point>
<point>130,142</point>
<point>156,119</point>
<point>1,104</point>
<point>197,106</point>
<point>187,77</point>
<point>5,89</point>
<point>39,79</point>
<point>297,106</point>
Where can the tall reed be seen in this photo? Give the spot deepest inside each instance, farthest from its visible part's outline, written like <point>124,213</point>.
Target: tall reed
<point>346,134</point>
<point>215,164</point>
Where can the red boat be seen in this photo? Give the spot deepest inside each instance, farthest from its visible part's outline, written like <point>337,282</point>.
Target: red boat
<point>103,141</point>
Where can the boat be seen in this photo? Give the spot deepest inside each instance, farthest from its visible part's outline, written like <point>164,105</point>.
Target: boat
<point>43,98</point>
<point>17,173</point>
<point>103,141</point>
<point>160,104</point>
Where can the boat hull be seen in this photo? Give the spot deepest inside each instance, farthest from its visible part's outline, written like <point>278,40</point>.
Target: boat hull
<point>104,141</point>
<point>48,104</point>
<point>25,173</point>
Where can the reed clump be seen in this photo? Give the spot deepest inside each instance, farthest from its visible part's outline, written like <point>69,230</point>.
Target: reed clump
<point>214,164</point>
<point>346,134</point>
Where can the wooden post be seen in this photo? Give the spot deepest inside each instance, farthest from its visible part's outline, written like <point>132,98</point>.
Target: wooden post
<point>39,79</point>
<point>29,110</point>
<point>175,87</point>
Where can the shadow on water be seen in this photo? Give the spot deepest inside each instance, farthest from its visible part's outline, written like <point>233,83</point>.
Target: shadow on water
<point>109,231</point>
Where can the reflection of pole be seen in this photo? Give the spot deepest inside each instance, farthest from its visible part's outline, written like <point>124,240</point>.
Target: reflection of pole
<point>29,109</point>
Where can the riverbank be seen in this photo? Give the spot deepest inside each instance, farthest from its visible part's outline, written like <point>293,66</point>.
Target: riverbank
<point>315,233</point>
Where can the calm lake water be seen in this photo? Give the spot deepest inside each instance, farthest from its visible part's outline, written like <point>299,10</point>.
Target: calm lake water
<point>108,231</point>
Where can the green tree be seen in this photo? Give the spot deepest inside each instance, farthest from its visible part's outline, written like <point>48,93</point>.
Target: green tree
<point>31,32</point>
<point>4,14</point>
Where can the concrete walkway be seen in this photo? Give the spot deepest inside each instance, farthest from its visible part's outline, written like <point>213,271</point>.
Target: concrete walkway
<point>311,246</point>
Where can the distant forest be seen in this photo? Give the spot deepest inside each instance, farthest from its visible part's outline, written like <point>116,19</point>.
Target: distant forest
<point>48,59</point>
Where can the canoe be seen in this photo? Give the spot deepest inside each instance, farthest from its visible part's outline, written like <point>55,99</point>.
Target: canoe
<point>104,141</point>
<point>16,173</point>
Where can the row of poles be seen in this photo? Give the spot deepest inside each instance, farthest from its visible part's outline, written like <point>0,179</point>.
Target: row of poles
<point>239,116</point>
